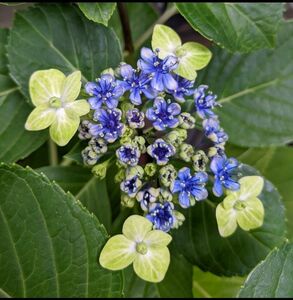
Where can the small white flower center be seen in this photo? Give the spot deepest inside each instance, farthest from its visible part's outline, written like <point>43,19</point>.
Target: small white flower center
<point>239,205</point>
<point>141,248</point>
<point>55,102</point>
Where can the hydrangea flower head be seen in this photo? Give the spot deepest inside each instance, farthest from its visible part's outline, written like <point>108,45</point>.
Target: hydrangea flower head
<point>160,70</point>
<point>204,103</point>
<point>224,170</point>
<point>163,114</point>
<point>161,215</point>
<point>161,151</point>
<point>104,91</point>
<point>128,154</point>
<point>137,83</point>
<point>110,126</point>
<point>184,89</point>
<point>190,187</point>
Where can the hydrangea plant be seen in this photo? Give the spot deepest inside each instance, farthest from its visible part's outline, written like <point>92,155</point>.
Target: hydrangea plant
<point>154,189</point>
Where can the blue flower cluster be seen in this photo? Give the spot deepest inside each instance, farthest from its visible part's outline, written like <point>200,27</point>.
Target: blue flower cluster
<point>137,114</point>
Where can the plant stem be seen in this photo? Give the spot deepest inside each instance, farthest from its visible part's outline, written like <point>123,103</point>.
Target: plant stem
<point>53,153</point>
<point>128,44</point>
<point>163,18</point>
<point>66,162</point>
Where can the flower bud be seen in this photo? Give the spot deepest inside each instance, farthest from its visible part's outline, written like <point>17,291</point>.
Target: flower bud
<point>186,120</point>
<point>100,170</point>
<point>165,195</point>
<point>150,169</point>
<point>127,201</point>
<point>134,171</point>
<point>139,142</point>
<point>120,176</point>
<point>83,130</point>
<point>199,161</point>
<point>127,135</point>
<point>98,145</point>
<point>186,152</point>
<point>167,175</point>
<point>90,157</point>
<point>179,219</point>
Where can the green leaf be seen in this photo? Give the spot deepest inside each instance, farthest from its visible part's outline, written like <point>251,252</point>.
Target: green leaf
<point>208,285</point>
<point>242,27</point>
<point>255,91</point>
<point>239,253</point>
<point>98,12</point>
<point>172,286</point>
<point>273,277</point>
<point>273,163</point>
<point>15,142</point>
<point>49,242</point>
<point>91,192</point>
<point>136,13</point>
<point>59,36</point>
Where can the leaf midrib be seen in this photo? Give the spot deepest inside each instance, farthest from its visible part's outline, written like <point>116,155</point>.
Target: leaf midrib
<point>249,90</point>
<point>51,45</point>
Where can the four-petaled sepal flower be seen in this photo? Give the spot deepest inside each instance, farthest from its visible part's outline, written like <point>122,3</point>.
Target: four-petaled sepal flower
<point>53,94</point>
<point>139,244</point>
<point>241,207</point>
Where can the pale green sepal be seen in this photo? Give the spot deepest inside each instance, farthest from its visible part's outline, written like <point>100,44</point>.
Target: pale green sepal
<point>250,186</point>
<point>157,238</point>
<point>64,126</point>
<point>45,84</point>
<point>166,40</point>
<point>136,227</point>
<point>40,118</point>
<point>192,56</point>
<point>229,201</point>
<point>71,87</point>
<point>79,107</point>
<point>153,265</point>
<point>118,253</point>
<point>252,215</point>
<point>226,219</point>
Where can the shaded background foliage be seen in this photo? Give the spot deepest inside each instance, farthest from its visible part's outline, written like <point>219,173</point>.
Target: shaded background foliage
<point>206,249</point>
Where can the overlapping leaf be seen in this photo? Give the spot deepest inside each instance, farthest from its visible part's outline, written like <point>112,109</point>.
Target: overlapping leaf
<point>98,12</point>
<point>49,242</point>
<point>255,91</point>
<point>273,277</point>
<point>242,27</point>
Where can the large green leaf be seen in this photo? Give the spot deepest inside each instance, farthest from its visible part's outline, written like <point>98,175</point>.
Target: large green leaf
<point>208,285</point>
<point>255,91</point>
<point>91,192</point>
<point>136,13</point>
<point>273,163</point>
<point>15,141</point>
<point>242,27</point>
<point>59,36</point>
<point>49,242</point>
<point>273,277</point>
<point>239,253</point>
<point>176,284</point>
<point>98,12</point>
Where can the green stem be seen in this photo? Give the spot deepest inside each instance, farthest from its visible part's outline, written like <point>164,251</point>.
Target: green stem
<point>66,162</point>
<point>53,153</point>
<point>163,18</point>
